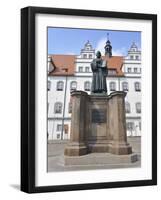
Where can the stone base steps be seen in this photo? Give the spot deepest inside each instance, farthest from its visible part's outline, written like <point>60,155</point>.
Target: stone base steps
<point>100,159</point>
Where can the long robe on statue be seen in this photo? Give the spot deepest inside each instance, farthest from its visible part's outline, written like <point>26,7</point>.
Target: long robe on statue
<point>99,69</point>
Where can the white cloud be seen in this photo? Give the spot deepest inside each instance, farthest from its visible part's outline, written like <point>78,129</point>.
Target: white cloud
<point>100,45</point>
<point>115,52</point>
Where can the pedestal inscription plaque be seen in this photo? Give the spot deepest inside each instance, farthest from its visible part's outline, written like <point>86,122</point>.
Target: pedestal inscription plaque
<point>99,116</point>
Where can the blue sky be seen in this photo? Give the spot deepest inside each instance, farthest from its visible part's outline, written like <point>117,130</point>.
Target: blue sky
<point>71,41</point>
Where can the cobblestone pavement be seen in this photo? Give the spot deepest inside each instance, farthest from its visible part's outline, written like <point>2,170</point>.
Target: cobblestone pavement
<point>56,157</point>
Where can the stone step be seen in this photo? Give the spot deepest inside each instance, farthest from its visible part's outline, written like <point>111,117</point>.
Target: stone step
<point>100,159</point>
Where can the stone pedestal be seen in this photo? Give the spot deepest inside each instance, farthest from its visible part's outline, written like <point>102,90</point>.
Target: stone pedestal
<point>77,145</point>
<point>98,124</point>
<point>117,124</point>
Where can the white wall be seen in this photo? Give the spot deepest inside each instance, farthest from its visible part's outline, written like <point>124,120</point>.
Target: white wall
<point>10,100</point>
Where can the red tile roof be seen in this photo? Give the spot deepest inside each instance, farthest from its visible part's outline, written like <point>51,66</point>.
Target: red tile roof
<point>65,64</point>
<point>115,62</point>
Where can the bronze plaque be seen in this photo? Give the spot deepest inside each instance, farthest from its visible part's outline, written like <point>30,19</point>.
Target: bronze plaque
<point>99,116</point>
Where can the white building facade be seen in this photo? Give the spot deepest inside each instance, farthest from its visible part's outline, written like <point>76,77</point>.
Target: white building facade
<point>69,72</point>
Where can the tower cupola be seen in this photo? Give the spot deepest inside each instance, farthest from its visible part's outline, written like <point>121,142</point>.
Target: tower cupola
<point>108,47</point>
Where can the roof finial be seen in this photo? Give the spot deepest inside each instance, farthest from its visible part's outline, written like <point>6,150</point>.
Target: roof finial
<point>107,36</point>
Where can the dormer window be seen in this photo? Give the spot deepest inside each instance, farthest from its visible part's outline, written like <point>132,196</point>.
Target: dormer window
<point>137,57</point>
<point>131,57</point>
<point>111,72</point>
<point>129,70</point>
<point>87,69</point>
<point>84,55</point>
<point>135,70</point>
<point>80,69</point>
<point>90,55</point>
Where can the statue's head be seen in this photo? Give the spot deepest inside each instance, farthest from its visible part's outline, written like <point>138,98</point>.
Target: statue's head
<point>98,54</point>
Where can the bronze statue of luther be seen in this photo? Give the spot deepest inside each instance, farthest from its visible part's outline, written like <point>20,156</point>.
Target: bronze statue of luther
<point>100,71</point>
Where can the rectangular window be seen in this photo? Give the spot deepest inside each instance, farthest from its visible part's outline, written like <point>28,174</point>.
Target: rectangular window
<point>84,55</point>
<point>137,87</point>
<point>90,55</point>
<point>58,107</point>
<point>138,107</point>
<point>140,126</point>
<point>129,70</point>
<point>130,126</point>
<point>70,107</point>
<point>73,85</point>
<point>113,86</point>
<point>58,136</point>
<point>66,128</point>
<point>59,127</point>
<point>137,57</point>
<point>87,69</point>
<point>131,57</point>
<point>87,86</point>
<point>80,69</point>
<point>125,86</point>
<point>48,107</point>
<point>60,85</point>
<point>49,85</point>
<point>135,70</point>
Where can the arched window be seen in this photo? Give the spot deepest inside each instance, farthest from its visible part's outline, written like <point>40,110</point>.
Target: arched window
<point>58,107</point>
<point>127,107</point>
<point>137,86</point>
<point>49,85</point>
<point>112,86</point>
<point>60,85</point>
<point>87,86</point>
<point>73,85</point>
<point>138,107</point>
<point>125,86</point>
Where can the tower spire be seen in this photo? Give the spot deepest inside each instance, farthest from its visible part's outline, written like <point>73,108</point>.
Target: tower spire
<point>108,47</point>
<point>107,36</point>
